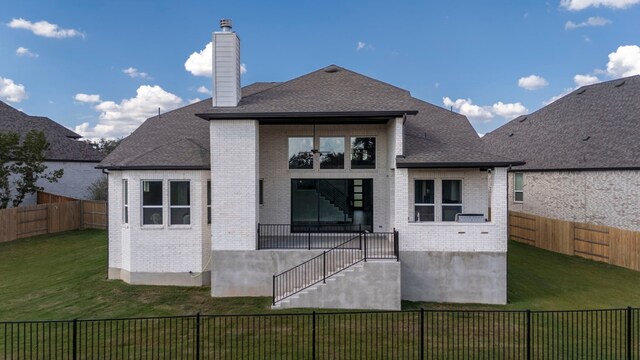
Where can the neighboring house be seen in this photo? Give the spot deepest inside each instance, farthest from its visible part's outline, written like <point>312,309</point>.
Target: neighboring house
<point>582,156</point>
<point>77,158</point>
<point>230,191</point>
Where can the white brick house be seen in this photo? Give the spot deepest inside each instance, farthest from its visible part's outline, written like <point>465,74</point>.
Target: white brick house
<point>327,172</point>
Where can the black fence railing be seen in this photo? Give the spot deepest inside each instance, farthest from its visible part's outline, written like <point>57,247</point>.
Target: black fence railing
<point>420,334</point>
<point>306,236</point>
<point>359,247</point>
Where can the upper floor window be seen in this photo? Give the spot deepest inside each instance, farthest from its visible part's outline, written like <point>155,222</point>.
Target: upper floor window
<point>300,155</point>
<point>180,204</point>
<point>152,202</point>
<point>125,201</point>
<point>331,153</point>
<point>451,199</point>
<point>518,188</point>
<point>424,200</point>
<point>363,152</point>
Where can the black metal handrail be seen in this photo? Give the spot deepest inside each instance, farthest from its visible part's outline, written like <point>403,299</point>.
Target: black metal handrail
<point>358,248</point>
<point>305,236</point>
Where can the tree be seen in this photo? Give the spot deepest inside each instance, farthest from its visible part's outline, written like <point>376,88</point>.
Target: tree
<point>103,145</point>
<point>99,189</point>
<point>24,162</point>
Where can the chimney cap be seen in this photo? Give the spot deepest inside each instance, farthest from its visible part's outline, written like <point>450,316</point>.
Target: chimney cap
<point>226,24</point>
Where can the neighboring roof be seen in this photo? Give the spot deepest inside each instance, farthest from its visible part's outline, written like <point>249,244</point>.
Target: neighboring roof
<point>594,127</point>
<point>150,146</point>
<point>434,137</point>
<point>63,144</point>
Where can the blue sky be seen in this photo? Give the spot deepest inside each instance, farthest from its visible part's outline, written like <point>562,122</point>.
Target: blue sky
<point>102,67</point>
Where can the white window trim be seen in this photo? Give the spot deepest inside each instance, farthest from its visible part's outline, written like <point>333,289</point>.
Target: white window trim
<point>442,204</point>
<point>424,204</point>
<point>209,202</point>
<point>515,190</point>
<point>375,165</point>
<point>171,207</point>
<point>125,202</point>
<point>143,206</point>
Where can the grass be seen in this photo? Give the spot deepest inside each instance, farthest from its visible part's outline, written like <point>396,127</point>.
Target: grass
<point>63,276</point>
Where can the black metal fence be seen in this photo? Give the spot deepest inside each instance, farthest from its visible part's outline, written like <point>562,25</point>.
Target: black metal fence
<point>421,334</point>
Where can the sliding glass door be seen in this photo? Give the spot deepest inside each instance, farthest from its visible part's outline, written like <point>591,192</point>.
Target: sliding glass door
<point>330,204</point>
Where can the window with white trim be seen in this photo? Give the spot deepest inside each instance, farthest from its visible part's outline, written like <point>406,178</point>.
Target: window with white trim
<point>518,187</point>
<point>424,209</point>
<point>152,202</point>
<point>180,202</point>
<point>125,201</point>
<point>451,199</point>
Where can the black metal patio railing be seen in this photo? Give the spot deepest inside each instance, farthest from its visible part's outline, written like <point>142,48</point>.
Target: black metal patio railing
<point>306,236</point>
<point>416,334</point>
<point>358,248</point>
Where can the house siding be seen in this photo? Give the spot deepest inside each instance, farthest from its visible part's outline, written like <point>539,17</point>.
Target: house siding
<point>74,183</point>
<point>608,198</point>
<point>158,254</point>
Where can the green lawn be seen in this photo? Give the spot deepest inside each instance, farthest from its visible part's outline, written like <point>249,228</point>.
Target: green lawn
<point>63,276</point>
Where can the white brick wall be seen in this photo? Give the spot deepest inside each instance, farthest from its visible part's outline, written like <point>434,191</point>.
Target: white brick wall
<point>451,236</point>
<point>157,248</point>
<point>609,198</point>
<point>275,172</point>
<point>234,184</point>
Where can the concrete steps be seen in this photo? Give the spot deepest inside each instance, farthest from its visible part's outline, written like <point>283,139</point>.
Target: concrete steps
<point>365,285</point>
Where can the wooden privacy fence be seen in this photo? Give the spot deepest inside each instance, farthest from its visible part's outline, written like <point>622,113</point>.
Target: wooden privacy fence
<point>600,243</point>
<point>25,221</point>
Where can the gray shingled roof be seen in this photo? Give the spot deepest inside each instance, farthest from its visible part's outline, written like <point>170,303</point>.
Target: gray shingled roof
<point>63,144</point>
<point>594,127</point>
<point>150,145</point>
<point>434,136</point>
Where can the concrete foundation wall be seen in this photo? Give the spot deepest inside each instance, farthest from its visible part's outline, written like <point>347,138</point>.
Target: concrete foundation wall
<point>250,273</point>
<point>171,279</point>
<point>608,198</point>
<point>371,285</point>
<point>457,277</point>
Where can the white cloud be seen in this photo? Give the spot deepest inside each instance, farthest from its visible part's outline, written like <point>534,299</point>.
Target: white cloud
<point>194,100</point>
<point>625,61</point>
<point>120,119</point>
<point>591,21</point>
<point>532,82</point>
<point>583,80</point>
<point>44,28</point>
<point>485,113</point>
<point>360,45</point>
<point>23,51</point>
<point>134,73</point>
<point>204,90</point>
<point>509,111</point>
<point>200,62</point>
<point>86,98</point>
<point>12,92</point>
<point>583,4</point>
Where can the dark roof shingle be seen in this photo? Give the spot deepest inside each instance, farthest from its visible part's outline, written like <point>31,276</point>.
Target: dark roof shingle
<point>594,127</point>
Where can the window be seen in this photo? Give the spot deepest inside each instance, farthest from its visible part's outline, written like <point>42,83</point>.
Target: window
<point>363,153</point>
<point>451,199</point>
<point>261,192</point>
<point>152,202</point>
<point>180,204</point>
<point>331,153</point>
<point>125,201</point>
<point>424,200</point>
<point>208,201</point>
<point>300,155</point>
<point>518,188</point>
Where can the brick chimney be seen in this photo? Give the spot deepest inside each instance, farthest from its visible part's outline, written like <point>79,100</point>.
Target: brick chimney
<point>226,66</point>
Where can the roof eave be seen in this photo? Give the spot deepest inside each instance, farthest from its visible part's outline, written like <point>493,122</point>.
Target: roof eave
<point>321,116</point>
<point>448,165</point>
<point>153,167</point>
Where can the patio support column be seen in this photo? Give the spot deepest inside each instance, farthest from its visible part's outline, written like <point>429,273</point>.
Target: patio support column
<point>499,212</point>
<point>234,184</point>
<point>401,198</point>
